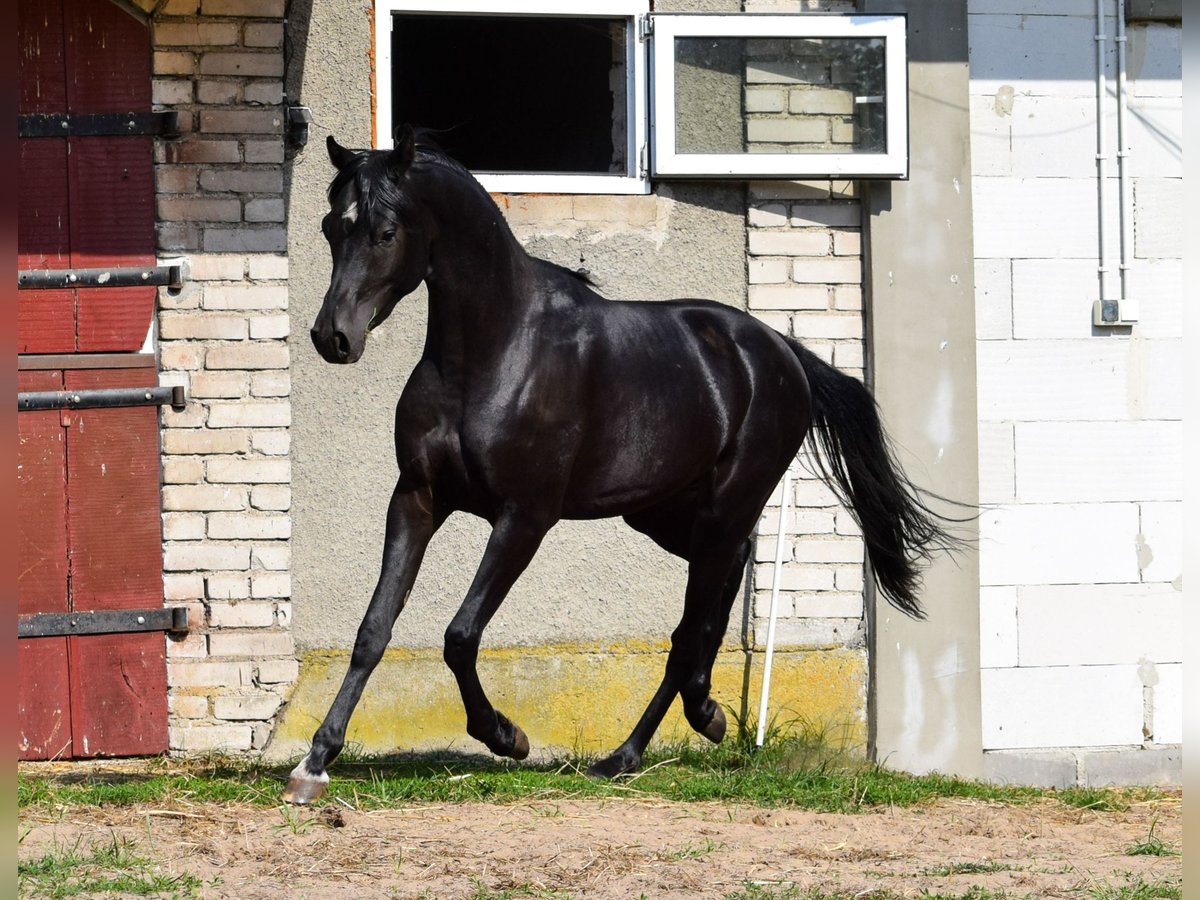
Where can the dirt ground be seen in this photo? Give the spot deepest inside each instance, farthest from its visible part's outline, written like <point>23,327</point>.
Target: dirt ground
<point>627,848</point>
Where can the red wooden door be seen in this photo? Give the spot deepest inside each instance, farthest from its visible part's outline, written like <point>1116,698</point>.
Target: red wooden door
<point>83,201</point>
<point>43,695</point>
<point>88,502</point>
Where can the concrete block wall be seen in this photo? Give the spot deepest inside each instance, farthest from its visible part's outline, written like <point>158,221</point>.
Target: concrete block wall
<point>1080,428</point>
<point>226,470</point>
<point>804,264</point>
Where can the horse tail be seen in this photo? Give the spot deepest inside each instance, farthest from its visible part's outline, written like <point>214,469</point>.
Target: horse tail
<point>854,457</point>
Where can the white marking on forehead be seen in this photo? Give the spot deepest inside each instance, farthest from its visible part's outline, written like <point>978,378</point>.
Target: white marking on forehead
<point>350,196</point>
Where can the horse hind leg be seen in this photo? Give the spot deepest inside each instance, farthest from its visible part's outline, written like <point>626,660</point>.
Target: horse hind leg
<point>671,527</point>
<point>702,712</point>
<point>509,550</point>
<point>693,648</point>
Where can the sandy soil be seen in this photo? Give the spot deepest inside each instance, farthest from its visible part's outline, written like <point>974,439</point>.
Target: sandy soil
<point>625,848</point>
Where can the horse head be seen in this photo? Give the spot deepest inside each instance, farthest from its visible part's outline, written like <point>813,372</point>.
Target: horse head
<point>379,241</point>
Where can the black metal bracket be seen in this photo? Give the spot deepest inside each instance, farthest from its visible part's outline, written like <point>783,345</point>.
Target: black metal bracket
<point>173,619</point>
<point>103,398</point>
<point>39,125</point>
<point>299,118</point>
<point>172,276</point>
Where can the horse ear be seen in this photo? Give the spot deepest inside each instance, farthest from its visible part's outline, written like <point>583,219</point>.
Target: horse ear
<point>406,148</point>
<point>338,155</point>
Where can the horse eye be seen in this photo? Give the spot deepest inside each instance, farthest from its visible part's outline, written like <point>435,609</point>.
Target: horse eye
<point>387,237</point>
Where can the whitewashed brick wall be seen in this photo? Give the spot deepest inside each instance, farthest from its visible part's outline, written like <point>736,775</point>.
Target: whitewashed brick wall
<point>226,471</point>
<point>1080,428</point>
<point>804,246</point>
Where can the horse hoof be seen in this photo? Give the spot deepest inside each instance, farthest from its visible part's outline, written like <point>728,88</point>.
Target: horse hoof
<point>612,766</point>
<point>520,748</point>
<point>303,787</point>
<point>715,729</point>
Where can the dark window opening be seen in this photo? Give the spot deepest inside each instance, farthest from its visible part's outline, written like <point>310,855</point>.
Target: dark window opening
<point>515,93</point>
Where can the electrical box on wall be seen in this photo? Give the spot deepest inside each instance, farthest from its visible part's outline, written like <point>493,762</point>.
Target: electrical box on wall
<point>1114,313</point>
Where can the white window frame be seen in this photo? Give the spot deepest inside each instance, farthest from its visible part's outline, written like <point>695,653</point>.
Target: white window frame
<point>650,93</point>
<point>893,163</point>
<point>636,178</point>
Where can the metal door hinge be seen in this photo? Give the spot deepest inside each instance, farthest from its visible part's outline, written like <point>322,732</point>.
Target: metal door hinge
<point>645,27</point>
<point>157,124</point>
<point>103,398</point>
<point>103,621</point>
<point>170,276</point>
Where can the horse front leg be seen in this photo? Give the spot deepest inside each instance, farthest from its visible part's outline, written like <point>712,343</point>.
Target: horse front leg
<point>513,542</point>
<point>411,522</point>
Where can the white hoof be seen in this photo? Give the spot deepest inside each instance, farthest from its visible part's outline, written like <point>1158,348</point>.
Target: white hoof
<point>303,786</point>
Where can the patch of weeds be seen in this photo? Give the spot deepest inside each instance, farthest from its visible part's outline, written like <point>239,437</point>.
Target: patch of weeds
<point>1105,799</point>
<point>967,868</point>
<point>107,868</point>
<point>753,891</point>
<point>756,891</point>
<point>294,821</point>
<point>1152,846</point>
<point>1137,888</point>
<point>691,851</point>
<point>481,891</point>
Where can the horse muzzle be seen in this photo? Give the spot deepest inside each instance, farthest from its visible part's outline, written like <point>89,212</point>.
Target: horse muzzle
<point>335,347</point>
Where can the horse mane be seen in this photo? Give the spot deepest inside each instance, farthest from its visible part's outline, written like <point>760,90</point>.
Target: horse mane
<point>368,171</point>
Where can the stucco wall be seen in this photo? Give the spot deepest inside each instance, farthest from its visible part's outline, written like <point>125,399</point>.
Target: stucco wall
<point>590,580</point>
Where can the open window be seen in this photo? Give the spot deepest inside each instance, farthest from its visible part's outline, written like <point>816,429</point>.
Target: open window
<point>599,96</point>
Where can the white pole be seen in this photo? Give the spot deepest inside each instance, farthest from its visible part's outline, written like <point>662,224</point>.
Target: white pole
<point>766,682</point>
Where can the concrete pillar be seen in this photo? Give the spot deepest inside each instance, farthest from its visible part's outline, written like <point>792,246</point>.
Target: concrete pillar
<point>924,700</point>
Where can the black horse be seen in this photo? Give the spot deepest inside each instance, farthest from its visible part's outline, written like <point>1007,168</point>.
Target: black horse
<point>536,399</point>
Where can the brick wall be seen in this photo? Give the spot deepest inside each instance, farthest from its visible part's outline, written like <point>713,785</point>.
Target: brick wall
<point>804,247</point>
<point>800,95</point>
<point>226,470</point>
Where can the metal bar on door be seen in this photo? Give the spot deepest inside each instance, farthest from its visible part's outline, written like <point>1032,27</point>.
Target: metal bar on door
<point>103,398</point>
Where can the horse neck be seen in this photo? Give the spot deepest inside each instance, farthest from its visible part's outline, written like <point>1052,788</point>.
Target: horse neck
<point>478,278</point>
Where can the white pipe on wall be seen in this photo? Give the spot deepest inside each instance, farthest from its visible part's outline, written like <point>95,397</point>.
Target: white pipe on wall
<point>785,508</point>
<point>1101,150</point>
<point>1128,306</point>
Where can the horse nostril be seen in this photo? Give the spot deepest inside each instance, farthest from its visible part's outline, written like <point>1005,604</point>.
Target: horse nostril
<point>341,345</point>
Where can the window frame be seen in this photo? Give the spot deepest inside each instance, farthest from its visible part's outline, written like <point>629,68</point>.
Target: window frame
<point>650,93</point>
<point>666,162</point>
<point>636,178</point>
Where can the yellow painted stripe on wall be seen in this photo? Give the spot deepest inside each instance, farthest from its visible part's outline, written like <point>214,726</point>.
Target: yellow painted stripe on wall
<point>576,697</point>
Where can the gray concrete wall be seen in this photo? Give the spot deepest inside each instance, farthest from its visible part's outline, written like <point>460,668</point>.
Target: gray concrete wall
<point>921,319</point>
<point>590,581</point>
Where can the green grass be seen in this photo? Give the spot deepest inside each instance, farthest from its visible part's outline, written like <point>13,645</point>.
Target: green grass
<point>793,772</point>
<point>106,868</point>
<point>1152,846</point>
<point>1132,889</point>
<point>967,868</point>
<point>751,891</point>
<point>1137,888</point>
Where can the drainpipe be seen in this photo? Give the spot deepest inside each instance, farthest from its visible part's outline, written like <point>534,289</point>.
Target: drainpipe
<point>1109,311</point>
<point>1128,310</point>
